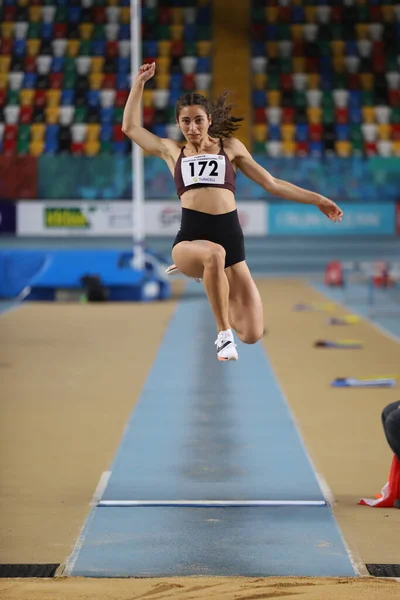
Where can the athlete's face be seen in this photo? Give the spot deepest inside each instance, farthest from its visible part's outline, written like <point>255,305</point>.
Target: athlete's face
<point>194,123</point>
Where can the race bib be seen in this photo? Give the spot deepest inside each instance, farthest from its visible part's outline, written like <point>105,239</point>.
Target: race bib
<point>208,169</point>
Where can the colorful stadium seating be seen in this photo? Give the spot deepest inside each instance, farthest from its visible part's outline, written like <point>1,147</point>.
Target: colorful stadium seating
<point>65,71</point>
<point>330,71</point>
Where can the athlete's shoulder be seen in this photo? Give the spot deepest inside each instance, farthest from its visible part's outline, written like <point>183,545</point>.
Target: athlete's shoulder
<point>236,147</point>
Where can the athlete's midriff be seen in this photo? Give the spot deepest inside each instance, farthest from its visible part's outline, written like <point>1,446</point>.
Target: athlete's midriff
<point>213,201</point>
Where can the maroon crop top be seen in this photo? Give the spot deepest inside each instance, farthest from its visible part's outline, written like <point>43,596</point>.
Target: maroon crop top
<point>204,170</point>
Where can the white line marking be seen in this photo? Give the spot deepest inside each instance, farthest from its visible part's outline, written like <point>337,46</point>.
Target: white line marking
<point>209,503</point>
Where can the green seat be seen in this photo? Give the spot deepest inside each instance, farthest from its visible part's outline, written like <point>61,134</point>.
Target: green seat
<point>204,32</point>
<point>286,65</point>
<point>106,147</point>
<point>98,32</point>
<point>367,98</point>
<point>362,14</point>
<point>259,147</point>
<point>69,64</point>
<point>34,31</point>
<point>273,81</point>
<point>13,97</point>
<point>328,115</point>
<point>80,114</point>
<point>100,2</point>
<point>118,114</point>
<point>391,63</point>
<point>84,48</point>
<point>190,49</point>
<point>358,147</point>
<point>24,133</point>
<point>284,31</point>
<point>61,15</point>
<point>171,114</point>
<point>339,81</point>
<point>300,99</point>
<point>337,32</point>
<point>152,16</point>
<point>257,14</point>
<point>395,116</point>
<point>163,32</point>
<point>69,81</point>
<point>22,146</point>
<point>327,100</point>
<point>355,133</point>
<point>324,47</point>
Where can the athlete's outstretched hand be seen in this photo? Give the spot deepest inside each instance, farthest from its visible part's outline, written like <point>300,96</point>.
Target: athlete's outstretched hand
<point>146,72</point>
<point>330,209</point>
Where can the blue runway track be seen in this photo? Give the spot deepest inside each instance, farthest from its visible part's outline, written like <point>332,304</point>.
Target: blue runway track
<point>207,431</point>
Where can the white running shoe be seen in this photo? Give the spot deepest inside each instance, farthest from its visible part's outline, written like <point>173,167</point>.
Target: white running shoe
<point>226,347</point>
<point>173,270</point>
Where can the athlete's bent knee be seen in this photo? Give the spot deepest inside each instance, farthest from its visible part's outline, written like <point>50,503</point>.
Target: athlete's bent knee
<point>250,337</point>
<point>215,257</point>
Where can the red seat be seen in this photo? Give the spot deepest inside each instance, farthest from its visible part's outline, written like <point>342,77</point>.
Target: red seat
<point>298,48</point>
<point>337,14</point>
<point>312,64</point>
<point>342,115</point>
<point>40,98</point>
<point>353,81</point>
<point>25,114</point>
<point>121,96</point>
<point>6,46</point>
<point>315,132</point>
<point>286,82</point>
<point>370,148</point>
<point>284,14</point>
<point>119,135</point>
<point>379,63</point>
<point>8,13</point>
<point>189,82</point>
<point>164,15</point>
<point>9,147</point>
<point>56,81</point>
<point>288,114</point>
<point>30,64</point>
<point>259,115</point>
<point>396,132</point>
<point>60,30</point>
<point>258,32</point>
<point>302,148</point>
<point>77,148</point>
<point>112,49</point>
<point>100,15</point>
<point>375,14</point>
<point>3,97</point>
<point>10,132</point>
<point>177,48</point>
<point>109,81</point>
<point>148,116</point>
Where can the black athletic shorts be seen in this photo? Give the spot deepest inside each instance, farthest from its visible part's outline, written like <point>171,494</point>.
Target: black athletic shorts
<point>222,229</point>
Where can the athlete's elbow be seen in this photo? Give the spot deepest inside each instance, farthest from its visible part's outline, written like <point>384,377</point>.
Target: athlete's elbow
<point>271,186</point>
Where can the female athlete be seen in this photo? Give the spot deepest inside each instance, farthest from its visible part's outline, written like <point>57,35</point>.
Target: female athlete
<point>209,244</point>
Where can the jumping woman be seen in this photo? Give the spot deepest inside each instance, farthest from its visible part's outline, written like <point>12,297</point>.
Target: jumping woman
<point>209,244</point>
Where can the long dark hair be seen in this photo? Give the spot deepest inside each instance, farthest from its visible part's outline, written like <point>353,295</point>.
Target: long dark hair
<point>223,123</point>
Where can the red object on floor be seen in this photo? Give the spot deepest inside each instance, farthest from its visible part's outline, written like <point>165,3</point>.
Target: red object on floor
<point>334,273</point>
<point>390,491</point>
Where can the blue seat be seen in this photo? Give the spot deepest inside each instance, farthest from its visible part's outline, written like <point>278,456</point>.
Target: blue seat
<point>325,63</point>
<point>98,47</point>
<point>342,132</point>
<point>160,130</point>
<point>120,147</point>
<point>20,48</point>
<point>47,31</point>
<point>57,64</point>
<point>204,15</point>
<point>274,133</point>
<point>173,97</point>
<point>176,81</point>
<point>301,132</point>
<point>355,114</point>
<point>189,32</point>
<point>203,64</point>
<point>67,98</point>
<point>29,81</point>
<point>106,132</point>
<point>52,130</point>
<point>297,14</point>
<point>124,31</point>
<point>315,149</point>
<point>124,64</point>
<point>51,145</point>
<point>257,49</point>
<point>272,32</point>
<point>107,115</point>
<point>259,99</point>
<point>354,98</point>
<point>326,82</point>
<point>74,14</point>
<point>61,2</point>
<point>351,48</point>
<point>122,81</point>
<point>150,49</point>
<point>93,97</point>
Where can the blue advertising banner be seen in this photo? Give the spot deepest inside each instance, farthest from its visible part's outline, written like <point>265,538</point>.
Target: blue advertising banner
<point>7,217</point>
<point>358,219</point>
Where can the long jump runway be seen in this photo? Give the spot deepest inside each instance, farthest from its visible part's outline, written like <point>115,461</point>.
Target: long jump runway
<point>211,477</point>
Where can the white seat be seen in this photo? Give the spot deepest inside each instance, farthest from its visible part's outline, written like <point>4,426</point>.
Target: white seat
<point>11,114</point>
<point>364,47</point>
<point>259,64</point>
<point>397,11</point>
<point>349,2</point>
<point>15,78</point>
<point>310,32</point>
<point>283,2</point>
<point>112,13</point>
<point>203,81</point>
<point>20,29</point>
<point>369,131</point>
<point>300,81</point>
<point>352,63</point>
<point>151,3</point>
<point>48,14</point>
<point>393,79</point>
<point>382,114</point>
<point>107,98</point>
<point>59,46</point>
<point>274,115</point>
<point>274,149</point>
<point>78,132</point>
<point>174,133</point>
<point>189,15</point>
<point>112,30</point>
<point>375,31</point>
<point>2,125</point>
<point>188,64</point>
<point>314,97</point>
<point>340,98</point>
<point>285,48</point>
<point>160,99</point>
<point>323,13</point>
<point>43,64</point>
<point>83,64</point>
<point>66,114</point>
<point>124,48</point>
<point>385,147</point>
<point>87,3</point>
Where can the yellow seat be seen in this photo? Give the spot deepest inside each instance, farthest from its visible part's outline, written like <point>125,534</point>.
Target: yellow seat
<point>384,131</point>
<point>86,30</point>
<point>73,48</point>
<point>92,147</point>
<point>204,48</point>
<point>367,81</point>
<point>163,65</point>
<point>5,62</point>
<point>314,114</point>
<point>310,14</point>
<point>164,48</point>
<point>259,81</point>
<point>288,132</point>
<point>23,2</point>
<point>177,15</point>
<point>297,32</point>
<point>147,98</point>
<point>387,13</point>
<point>162,80</point>
<point>343,148</point>
<point>338,63</point>
<point>313,81</point>
<point>37,132</point>
<point>176,32</point>
<point>35,14</point>
<point>7,29</point>
<point>26,97</point>
<point>299,64</point>
<point>125,14</point>
<point>272,49</point>
<point>113,2</point>
<point>33,47</point>
<point>396,147</point>
<point>362,30</point>
<point>368,113</point>
<point>337,47</point>
<point>271,13</point>
<point>52,113</point>
<point>274,98</point>
<point>97,64</point>
<point>260,132</point>
<point>288,148</point>
<point>36,148</point>
<point>96,80</point>
<point>92,132</point>
<point>204,93</point>
<point>3,80</point>
<point>53,98</point>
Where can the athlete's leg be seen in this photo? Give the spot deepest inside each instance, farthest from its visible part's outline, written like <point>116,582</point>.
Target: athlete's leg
<point>206,260</point>
<point>245,306</point>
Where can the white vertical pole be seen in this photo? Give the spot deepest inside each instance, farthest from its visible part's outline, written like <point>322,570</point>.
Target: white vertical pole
<point>138,227</point>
